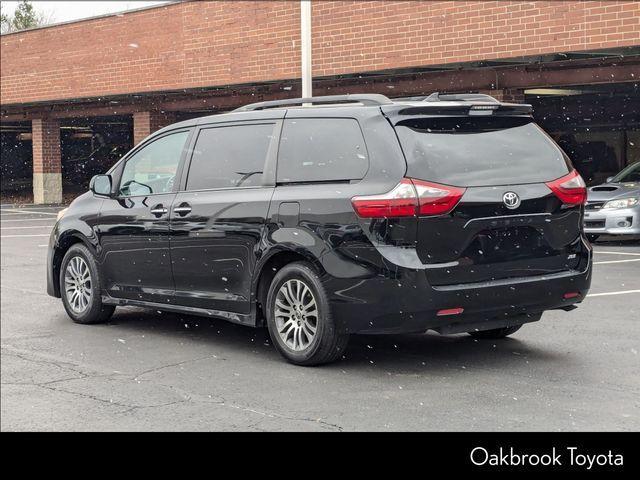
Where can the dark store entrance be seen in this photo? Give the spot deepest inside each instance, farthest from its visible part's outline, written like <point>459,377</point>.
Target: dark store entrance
<point>597,125</point>
<point>16,167</point>
<point>91,146</point>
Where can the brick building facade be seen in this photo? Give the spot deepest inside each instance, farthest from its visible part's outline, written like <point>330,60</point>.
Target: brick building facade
<point>157,64</point>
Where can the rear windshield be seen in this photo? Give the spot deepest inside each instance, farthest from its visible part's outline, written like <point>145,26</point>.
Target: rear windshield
<point>474,152</point>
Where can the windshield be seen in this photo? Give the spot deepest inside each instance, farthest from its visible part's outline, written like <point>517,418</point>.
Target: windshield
<point>629,174</point>
<point>466,151</point>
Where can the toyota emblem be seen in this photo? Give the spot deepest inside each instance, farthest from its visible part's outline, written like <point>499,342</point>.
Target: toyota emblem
<point>511,200</point>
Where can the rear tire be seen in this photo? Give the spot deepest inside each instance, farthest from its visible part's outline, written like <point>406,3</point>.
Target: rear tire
<point>496,333</point>
<point>80,287</point>
<point>299,317</point>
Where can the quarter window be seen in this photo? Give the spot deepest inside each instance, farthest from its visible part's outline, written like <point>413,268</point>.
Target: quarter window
<point>230,156</point>
<point>321,149</point>
<point>152,169</point>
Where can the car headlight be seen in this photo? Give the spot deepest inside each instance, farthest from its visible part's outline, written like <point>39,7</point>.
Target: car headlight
<point>61,213</point>
<point>622,203</point>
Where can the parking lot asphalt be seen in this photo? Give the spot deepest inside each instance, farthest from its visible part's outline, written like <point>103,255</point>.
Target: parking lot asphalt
<point>147,370</point>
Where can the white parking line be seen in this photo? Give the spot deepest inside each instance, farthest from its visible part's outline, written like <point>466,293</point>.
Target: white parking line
<point>618,253</point>
<point>20,228</point>
<point>28,206</point>
<point>23,290</point>
<point>622,292</point>
<point>6,214</point>
<point>27,220</point>
<point>9,216</point>
<point>15,211</point>
<point>617,261</point>
<point>18,236</point>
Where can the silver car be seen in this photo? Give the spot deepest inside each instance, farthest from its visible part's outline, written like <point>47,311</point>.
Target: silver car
<point>613,208</point>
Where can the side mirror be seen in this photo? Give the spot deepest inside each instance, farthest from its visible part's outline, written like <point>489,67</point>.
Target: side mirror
<point>101,185</point>
<point>608,180</point>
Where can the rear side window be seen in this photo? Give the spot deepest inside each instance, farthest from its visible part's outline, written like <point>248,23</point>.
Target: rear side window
<point>321,150</point>
<point>231,156</point>
<point>472,152</point>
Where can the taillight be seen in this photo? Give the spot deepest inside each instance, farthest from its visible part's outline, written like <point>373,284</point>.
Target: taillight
<point>402,201</point>
<point>436,199</point>
<point>571,189</point>
<point>409,198</point>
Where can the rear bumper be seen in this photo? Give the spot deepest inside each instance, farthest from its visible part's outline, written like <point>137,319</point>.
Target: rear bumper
<point>404,302</point>
<point>609,221</point>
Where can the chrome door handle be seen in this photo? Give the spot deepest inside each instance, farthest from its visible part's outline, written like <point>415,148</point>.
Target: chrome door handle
<point>182,209</point>
<point>159,210</point>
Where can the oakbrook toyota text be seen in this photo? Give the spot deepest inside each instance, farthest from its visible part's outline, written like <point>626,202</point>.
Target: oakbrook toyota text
<point>572,456</point>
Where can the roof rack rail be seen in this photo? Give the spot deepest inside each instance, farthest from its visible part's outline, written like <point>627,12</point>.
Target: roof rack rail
<point>365,99</point>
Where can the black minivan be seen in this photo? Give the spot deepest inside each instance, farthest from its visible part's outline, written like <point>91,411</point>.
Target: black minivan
<point>329,216</point>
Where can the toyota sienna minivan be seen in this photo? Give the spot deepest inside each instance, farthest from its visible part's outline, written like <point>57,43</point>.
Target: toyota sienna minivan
<point>329,216</point>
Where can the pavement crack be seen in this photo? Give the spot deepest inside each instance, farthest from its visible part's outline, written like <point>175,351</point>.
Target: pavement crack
<point>88,396</point>
<point>177,364</point>
<point>41,361</point>
<point>159,405</point>
<point>319,421</point>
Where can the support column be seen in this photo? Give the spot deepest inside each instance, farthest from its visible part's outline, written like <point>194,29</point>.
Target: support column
<point>145,123</point>
<point>47,162</point>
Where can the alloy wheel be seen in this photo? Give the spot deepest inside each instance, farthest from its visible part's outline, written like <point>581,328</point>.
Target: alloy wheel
<point>296,314</point>
<point>77,284</point>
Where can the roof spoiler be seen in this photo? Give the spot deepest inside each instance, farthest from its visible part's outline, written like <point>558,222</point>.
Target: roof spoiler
<point>451,97</point>
<point>364,99</point>
<point>467,104</point>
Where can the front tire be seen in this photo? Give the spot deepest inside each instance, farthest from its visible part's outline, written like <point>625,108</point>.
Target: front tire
<point>299,317</point>
<point>496,333</point>
<point>80,287</point>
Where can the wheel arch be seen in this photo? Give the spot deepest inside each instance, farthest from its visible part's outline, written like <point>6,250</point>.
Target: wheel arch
<point>267,269</point>
<point>63,244</point>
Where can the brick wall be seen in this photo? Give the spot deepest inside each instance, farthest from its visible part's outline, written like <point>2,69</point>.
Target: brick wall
<point>196,44</point>
<point>46,146</point>
<point>145,123</point>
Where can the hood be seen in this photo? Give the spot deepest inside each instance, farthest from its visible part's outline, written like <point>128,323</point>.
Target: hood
<point>610,191</point>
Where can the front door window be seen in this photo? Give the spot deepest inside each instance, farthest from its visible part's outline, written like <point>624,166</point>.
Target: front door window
<point>152,169</point>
